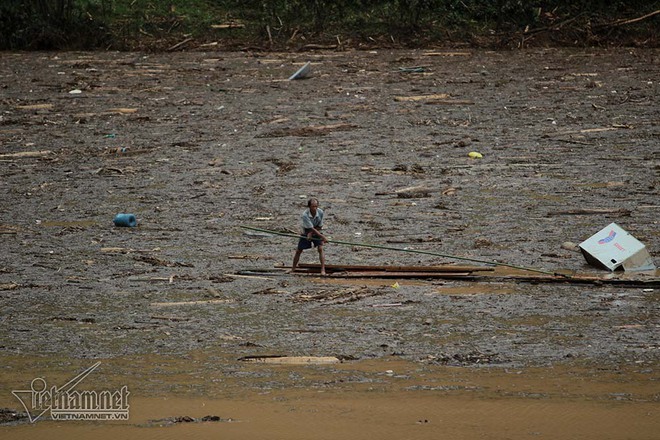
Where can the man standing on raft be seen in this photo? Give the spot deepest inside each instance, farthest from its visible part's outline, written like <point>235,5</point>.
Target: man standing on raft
<point>312,222</point>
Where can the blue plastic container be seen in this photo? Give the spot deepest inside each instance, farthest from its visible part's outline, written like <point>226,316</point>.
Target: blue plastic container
<point>127,220</point>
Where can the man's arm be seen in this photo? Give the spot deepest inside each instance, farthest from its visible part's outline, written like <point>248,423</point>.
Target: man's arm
<point>317,232</point>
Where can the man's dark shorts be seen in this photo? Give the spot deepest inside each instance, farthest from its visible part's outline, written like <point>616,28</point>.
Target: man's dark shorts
<point>304,243</point>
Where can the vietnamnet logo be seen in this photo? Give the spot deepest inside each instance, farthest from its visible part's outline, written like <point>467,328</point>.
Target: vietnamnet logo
<point>66,403</point>
<point>608,239</point>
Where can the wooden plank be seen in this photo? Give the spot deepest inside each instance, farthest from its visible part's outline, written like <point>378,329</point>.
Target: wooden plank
<point>443,268</point>
<point>385,274</point>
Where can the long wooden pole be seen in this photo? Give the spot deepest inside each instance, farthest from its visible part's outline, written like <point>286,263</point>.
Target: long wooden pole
<point>413,251</point>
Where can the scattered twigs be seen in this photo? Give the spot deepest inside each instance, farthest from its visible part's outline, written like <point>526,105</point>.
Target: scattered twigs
<point>553,27</point>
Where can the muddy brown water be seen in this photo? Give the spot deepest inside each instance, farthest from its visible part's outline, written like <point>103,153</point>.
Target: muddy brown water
<point>389,398</point>
<point>197,144</point>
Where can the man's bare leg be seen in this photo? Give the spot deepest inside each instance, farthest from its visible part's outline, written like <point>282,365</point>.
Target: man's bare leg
<point>322,260</point>
<point>296,258</point>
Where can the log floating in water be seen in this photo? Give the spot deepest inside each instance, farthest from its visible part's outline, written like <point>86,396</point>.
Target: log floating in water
<point>366,268</point>
<point>369,271</point>
<point>404,274</point>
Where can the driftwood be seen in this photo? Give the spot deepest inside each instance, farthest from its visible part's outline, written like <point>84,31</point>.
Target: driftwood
<point>582,131</point>
<point>441,98</point>
<point>405,274</point>
<point>170,318</point>
<point>528,34</point>
<point>159,262</point>
<point>319,47</point>
<point>35,107</point>
<point>121,111</point>
<point>190,303</point>
<point>599,211</point>
<point>337,296</point>
<point>447,54</point>
<point>581,279</point>
<point>25,154</point>
<point>625,21</point>
<point>312,130</point>
<point>291,360</point>
<point>413,192</point>
<point>250,257</point>
<point>248,276</point>
<point>269,291</point>
<point>176,46</point>
<point>451,101</point>
<point>448,268</point>
<point>421,97</point>
<point>365,271</point>
<point>485,274</point>
<point>228,26</point>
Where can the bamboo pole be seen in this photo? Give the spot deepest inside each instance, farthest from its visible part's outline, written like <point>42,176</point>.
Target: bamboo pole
<point>413,251</point>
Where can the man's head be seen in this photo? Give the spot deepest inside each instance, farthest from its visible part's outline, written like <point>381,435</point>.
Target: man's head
<point>313,205</point>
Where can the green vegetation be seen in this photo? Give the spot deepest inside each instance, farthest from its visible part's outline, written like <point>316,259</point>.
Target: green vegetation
<point>281,24</point>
